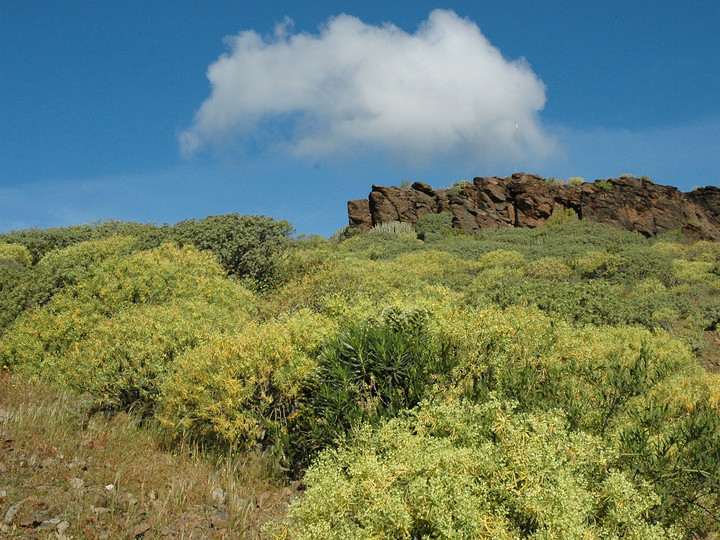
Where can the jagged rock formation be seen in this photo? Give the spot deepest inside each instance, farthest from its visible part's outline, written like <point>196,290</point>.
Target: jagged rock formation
<point>525,200</point>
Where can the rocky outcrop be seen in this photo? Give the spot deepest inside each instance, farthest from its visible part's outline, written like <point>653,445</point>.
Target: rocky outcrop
<point>525,200</point>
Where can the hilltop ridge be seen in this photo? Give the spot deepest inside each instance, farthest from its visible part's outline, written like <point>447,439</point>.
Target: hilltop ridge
<point>526,200</point>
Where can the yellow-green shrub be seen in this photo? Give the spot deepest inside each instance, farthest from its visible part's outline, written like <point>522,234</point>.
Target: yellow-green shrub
<point>599,264</point>
<point>547,268</point>
<point>694,271</point>
<point>236,390</point>
<point>16,253</point>
<point>466,470</point>
<point>131,313</point>
<point>502,258</point>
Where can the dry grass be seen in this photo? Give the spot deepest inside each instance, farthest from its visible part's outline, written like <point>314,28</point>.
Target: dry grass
<point>65,474</point>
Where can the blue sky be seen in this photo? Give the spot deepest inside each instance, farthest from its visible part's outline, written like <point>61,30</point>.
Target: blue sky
<point>107,110</point>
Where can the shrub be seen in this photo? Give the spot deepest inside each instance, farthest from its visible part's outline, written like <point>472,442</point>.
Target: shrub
<point>114,331</point>
<point>399,228</point>
<point>14,253</point>
<point>563,216</point>
<point>599,264</point>
<point>245,246</point>
<point>433,224</point>
<point>552,268</point>
<point>33,287</point>
<point>502,258</point>
<point>576,181</point>
<point>458,187</point>
<point>468,470</point>
<point>237,390</point>
<point>368,372</point>
<point>344,233</point>
<point>605,185</point>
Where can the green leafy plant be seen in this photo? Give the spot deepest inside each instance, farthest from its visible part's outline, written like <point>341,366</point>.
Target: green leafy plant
<point>458,187</point>
<point>368,372</point>
<point>246,246</point>
<point>434,224</point>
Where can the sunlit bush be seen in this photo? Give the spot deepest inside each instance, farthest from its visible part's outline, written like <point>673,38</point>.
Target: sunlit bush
<point>237,390</point>
<point>16,253</point>
<point>466,470</point>
<point>433,223</point>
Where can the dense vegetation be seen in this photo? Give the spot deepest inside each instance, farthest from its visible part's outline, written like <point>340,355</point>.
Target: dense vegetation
<point>553,383</point>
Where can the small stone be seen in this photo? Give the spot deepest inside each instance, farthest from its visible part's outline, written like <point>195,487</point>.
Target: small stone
<point>141,529</point>
<point>62,527</point>
<point>166,531</point>
<point>47,462</point>
<point>77,483</point>
<point>31,519</point>
<point>219,519</point>
<point>10,514</point>
<point>49,523</point>
<point>100,510</point>
<point>3,468</point>
<point>264,497</point>
<point>218,496</point>
<point>128,498</point>
<point>3,495</point>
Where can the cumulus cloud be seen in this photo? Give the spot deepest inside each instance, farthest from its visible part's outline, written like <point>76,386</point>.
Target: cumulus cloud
<point>441,90</point>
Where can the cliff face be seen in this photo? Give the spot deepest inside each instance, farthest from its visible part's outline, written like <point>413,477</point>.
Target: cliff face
<point>524,200</point>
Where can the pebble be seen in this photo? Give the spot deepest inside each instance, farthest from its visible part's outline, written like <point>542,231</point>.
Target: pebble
<point>218,496</point>
<point>100,510</point>
<point>77,483</point>
<point>49,523</point>
<point>141,529</point>
<point>219,519</point>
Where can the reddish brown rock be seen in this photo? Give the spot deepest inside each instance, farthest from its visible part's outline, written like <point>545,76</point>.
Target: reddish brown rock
<point>359,214</point>
<point>524,200</point>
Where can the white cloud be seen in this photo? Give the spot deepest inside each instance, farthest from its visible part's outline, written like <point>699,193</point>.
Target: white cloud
<point>441,91</point>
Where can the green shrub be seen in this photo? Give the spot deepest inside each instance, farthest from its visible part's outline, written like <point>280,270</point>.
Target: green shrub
<point>433,224</point>
<point>605,185</point>
<point>458,187</point>
<point>576,181</point>
<point>563,216</point>
<point>246,246</point>
<point>33,287</point>
<point>368,372</point>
